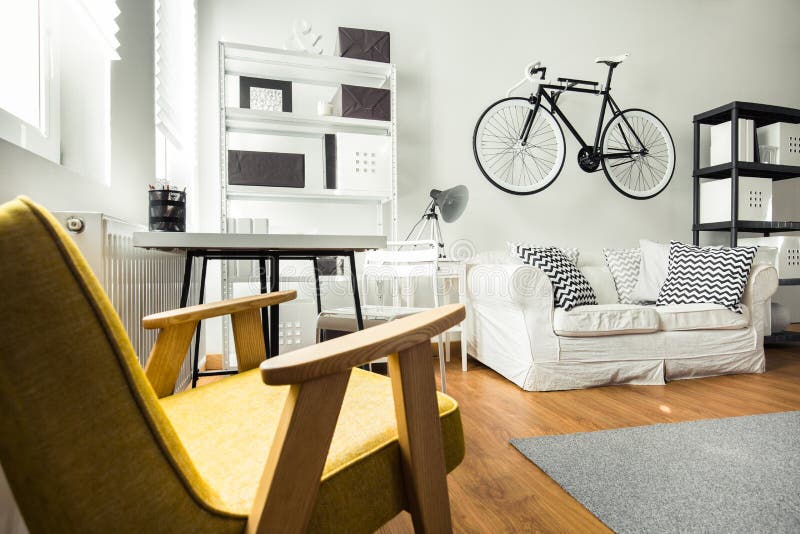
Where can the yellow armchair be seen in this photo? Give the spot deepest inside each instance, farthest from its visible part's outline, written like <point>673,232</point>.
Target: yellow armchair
<point>90,442</point>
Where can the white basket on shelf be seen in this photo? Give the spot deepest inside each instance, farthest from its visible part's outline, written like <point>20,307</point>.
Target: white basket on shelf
<point>755,200</point>
<point>785,138</point>
<point>720,149</point>
<point>788,261</point>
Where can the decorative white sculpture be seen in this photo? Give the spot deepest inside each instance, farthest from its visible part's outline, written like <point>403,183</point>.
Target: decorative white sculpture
<point>302,38</point>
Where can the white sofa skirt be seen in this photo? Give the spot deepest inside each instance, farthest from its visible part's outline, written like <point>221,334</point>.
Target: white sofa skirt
<point>642,359</point>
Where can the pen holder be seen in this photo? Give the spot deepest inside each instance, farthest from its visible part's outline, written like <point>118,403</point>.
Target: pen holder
<point>167,210</point>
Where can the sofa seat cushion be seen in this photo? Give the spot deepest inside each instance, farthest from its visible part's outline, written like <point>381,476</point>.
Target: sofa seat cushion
<point>228,426</point>
<point>677,317</point>
<point>605,320</point>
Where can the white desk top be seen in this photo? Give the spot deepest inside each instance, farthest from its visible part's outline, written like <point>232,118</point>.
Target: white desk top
<point>256,242</point>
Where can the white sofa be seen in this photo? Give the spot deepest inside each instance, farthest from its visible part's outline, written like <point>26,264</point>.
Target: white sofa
<point>516,331</point>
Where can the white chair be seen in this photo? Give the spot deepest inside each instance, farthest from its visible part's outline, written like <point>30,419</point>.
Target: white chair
<point>402,265</point>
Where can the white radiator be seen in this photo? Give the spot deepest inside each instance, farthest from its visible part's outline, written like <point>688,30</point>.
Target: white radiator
<point>138,282</point>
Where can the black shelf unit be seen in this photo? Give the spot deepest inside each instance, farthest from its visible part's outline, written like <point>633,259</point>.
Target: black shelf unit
<point>761,115</point>
<point>749,168</point>
<point>756,227</point>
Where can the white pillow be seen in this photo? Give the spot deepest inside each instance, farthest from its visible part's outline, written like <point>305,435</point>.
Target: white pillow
<point>653,268</point>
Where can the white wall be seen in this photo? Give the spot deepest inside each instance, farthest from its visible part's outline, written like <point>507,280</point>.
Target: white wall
<point>455,58</point>
<point>132,137</point>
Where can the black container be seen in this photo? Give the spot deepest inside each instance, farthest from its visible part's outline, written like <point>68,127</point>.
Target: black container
<point>167,210</point>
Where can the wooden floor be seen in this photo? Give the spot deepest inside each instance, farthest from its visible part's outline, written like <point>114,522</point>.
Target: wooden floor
<point>497,490</point>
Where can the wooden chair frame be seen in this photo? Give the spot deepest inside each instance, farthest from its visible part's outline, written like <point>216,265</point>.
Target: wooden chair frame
<point>318,377</point>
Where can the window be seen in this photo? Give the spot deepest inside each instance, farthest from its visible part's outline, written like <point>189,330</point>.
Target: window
<point>55,93</point>
<point>175,73</point>
<point>29,92</point>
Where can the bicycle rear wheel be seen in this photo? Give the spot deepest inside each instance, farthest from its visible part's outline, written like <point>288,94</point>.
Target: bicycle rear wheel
<point>638,154</point>
<point>508,163</point>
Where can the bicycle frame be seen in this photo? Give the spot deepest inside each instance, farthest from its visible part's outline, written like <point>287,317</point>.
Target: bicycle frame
<point>608,102</point>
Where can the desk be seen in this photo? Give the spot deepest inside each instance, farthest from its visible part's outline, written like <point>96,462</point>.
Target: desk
<point>456,270</point>
<point>261,247</point>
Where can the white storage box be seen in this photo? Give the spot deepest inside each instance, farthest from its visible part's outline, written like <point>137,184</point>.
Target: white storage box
<point>721,142</point>
<point>364,163</point>
<point>788,260</point>
<point>755,200</point>
<point>785,137</point>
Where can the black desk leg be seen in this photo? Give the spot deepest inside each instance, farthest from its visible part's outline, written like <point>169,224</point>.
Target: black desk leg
<point>262,273</point>
<point>354,284</point>
<point>316,284</point>
<point>187,278</point>
<point>274,317</point>
<point>196,358</point>
<point>356,298</point>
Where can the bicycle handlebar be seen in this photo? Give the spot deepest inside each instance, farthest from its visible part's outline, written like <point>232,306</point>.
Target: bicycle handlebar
<point>531,70</point>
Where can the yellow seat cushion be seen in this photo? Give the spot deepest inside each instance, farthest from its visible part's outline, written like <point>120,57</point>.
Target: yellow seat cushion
<point>227,427</point>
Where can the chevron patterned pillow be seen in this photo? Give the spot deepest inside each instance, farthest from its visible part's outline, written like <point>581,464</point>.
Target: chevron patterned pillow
<point>699,275</point>
<point>572,254</point>
<point>570,287</point>
<point>624,267</point>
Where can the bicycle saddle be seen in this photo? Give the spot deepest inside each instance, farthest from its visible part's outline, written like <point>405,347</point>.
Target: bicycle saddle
<point>612,61</point>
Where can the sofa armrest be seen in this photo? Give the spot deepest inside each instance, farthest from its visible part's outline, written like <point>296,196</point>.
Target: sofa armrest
<point>761,285</point>
<point>517,284</point>
<point>511,298</point>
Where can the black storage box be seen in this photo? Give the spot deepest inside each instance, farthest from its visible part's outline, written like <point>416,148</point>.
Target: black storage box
<point>364,44</point>
<point>366,103</point>
<point>274,169</point>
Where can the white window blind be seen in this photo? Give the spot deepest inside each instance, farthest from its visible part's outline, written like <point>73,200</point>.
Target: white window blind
<point>29,77</point>
<point>103,15</point>
<point>175,52</point>
<point>19,60</point>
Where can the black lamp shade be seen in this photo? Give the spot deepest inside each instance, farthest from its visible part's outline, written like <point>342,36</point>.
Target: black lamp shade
<point>451,202</point>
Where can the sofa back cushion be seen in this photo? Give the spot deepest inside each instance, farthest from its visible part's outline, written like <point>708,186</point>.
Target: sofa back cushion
<point>602,283</point>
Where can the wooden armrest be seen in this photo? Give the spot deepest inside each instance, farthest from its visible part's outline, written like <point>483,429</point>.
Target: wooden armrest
<point>343,353</point>
<point>215,309</point>
<point>178,326</point>
<point>318,376</point>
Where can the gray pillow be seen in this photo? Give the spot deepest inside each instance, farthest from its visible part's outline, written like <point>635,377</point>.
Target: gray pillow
<point>624,267</point>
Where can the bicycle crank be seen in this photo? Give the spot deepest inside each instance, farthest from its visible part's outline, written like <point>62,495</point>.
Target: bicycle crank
<point>588,159</point>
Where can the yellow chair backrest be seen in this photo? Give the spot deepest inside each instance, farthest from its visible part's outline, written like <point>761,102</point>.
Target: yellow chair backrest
<point>83,440</point>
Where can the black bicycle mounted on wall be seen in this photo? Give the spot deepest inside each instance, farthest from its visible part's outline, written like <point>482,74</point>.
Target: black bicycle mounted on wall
<point>519,145</point>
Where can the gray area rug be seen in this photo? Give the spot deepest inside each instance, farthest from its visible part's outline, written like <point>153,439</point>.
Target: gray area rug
<point>740,474</point>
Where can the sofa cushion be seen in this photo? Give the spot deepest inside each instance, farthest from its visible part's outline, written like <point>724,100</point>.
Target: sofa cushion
<point>605,320</point>
<point>676,317</point>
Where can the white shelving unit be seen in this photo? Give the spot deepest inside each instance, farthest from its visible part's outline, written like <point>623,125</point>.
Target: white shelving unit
<point>321,73</point>
<point>237,59</point>
<point>283,123</point>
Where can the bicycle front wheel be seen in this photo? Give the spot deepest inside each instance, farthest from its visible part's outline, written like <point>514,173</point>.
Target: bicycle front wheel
<point>511,164</point>
<point>638,154</point>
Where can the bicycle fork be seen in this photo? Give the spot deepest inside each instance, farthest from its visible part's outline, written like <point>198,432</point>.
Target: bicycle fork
<point>526,128</point>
